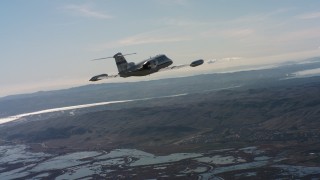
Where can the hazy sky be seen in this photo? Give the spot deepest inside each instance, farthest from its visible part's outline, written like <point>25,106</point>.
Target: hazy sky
<point>47,44</point>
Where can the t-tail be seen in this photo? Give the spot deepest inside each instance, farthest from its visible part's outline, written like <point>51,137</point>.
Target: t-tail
<point>121,62</point>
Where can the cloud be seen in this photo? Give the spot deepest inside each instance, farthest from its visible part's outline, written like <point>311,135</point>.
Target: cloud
<point>308,33</point>
<point>231,58</point>
<point>313,15</point>
<point>86,11</point>
<point>173,2</point>
<point>260,17</point>
<point>229,33</point>
<point>139,39</point>
<point>239,32</point>
<point>136,40</point>
<point>178,22</point>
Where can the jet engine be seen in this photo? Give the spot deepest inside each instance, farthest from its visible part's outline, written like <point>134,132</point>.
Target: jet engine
<point>130,65</point>
<point>150,65</point>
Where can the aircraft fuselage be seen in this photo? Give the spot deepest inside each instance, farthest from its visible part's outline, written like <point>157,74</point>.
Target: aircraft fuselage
<point>147,67</point>
<point>143,68</point>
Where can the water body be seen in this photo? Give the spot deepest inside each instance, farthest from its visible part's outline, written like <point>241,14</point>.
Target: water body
<point>21,116</point>
<point>308,73</point>
<point>78,164</point>
<point>298,171</point>
<point>217,159</point>
<point>17,162</point>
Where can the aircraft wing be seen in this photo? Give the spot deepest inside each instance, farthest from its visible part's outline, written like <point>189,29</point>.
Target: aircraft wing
<point>192,64</point>
<point>102,76</point>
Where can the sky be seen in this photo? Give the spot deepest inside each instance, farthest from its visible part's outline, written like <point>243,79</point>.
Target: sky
<point>47,45</point>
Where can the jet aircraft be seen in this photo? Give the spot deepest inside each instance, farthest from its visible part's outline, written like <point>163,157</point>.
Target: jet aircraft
<point>152,65</point>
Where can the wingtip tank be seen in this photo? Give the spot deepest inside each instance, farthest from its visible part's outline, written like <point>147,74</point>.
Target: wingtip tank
<point>99,77</point>
<point>196,63</point>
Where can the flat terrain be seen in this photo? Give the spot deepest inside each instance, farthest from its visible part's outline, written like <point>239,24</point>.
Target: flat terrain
<point>226,118</point>
<point>277,117</point>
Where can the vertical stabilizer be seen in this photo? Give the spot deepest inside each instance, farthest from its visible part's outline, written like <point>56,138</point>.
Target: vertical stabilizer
<point>121,62</point>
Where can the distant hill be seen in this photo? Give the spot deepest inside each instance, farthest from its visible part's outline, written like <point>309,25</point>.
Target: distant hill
<point>93,93</point>
<point>283,111</point>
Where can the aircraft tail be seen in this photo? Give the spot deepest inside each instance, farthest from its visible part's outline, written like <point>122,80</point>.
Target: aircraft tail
<point>121,62</point>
